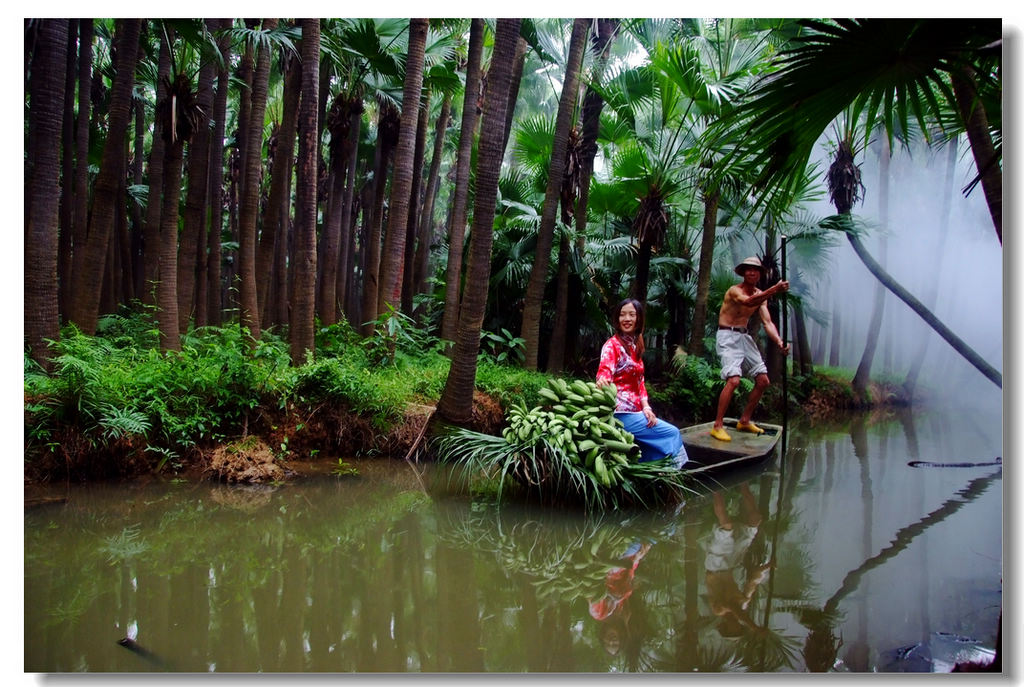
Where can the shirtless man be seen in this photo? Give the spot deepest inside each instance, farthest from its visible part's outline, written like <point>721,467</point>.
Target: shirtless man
<point>736,348</point>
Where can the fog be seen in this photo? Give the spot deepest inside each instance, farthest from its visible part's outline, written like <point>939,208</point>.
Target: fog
<point>959,277</point>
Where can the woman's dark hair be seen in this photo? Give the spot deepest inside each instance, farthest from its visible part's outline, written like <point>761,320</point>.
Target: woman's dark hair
<point>639,321</point>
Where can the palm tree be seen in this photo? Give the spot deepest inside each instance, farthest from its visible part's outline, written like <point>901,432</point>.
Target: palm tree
<point>249,202</point>
<point>46,94</point>
<point>844,189</point>
<point>538,274</point>
<point>456,403</point>
<point>93,253</point>
<point>460,194</point>
<point>194,226</point>
<point>392,256</point>
<point>304,269</point>
<point>211,313</point>
<point>180,119</point>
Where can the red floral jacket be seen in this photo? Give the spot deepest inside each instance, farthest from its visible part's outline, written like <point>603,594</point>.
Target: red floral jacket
<point>621,365</point>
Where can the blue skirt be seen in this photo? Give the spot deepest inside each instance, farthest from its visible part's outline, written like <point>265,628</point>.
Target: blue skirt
<point>663,439</point>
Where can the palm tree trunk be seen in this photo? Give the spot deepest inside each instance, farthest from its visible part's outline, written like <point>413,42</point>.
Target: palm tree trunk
<point>863,374</point>
<point>339,124</point>
<point>214,304</point>
<point>534,297</point>
<point>249,210</point>
<point>985,158</point>
<point>804,355</point>
<point>707,248</point>
<point>460,195</point>
<point>387,136</point>
<point>194,226</point>
<point>413,221</point>
<point>66,212</point>
<point>348,235</point>
<point>392,256</point>
<point>151,230</point>
<point>426,223</point>
<point>275,225</point>
<point>46,93</point>
<point>952,339</point>
<point>304,269</point>
<point>80,219</point>
<point>167,286</point>
<point>85,305</point>
<point>556,349</point>
<point>456,403</point>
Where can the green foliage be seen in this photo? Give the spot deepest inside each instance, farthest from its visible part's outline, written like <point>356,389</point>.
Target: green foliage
<point>503,347</point>
<point>509,384</point>
<point>697,384</point>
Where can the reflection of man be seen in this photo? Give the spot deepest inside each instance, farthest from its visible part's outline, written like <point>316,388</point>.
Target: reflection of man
<point>728,543</point>
<point>613,608</point>
<point>736,348</point>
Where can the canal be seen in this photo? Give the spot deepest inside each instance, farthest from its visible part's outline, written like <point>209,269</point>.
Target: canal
<point>840,553</point>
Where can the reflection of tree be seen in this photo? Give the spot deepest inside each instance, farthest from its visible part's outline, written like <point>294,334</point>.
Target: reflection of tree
<point>821,646</point>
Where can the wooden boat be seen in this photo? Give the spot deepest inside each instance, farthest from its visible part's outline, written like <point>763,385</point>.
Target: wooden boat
<point>707,453</point>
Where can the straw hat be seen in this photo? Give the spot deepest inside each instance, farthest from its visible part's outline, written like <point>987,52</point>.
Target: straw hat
<point>752,261</point>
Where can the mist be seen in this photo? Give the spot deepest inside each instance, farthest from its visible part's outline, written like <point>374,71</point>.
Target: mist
<point>956,272</point>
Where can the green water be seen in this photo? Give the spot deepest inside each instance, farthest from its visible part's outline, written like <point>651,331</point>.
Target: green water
<point>838,554</point>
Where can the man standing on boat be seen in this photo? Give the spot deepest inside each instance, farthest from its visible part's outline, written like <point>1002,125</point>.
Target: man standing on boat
<point>736,347</point>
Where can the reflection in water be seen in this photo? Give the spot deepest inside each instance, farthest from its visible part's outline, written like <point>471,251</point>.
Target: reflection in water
<point>819,561</point>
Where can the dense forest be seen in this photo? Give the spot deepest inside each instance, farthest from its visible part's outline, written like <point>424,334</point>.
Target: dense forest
<point>496,184</point>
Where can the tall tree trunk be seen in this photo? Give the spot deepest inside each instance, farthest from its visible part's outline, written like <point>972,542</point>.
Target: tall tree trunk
<point>249,210</point>
<point>556,349</point>
<point>348,213</point>
<point>707,248</point>
<point>135,208</point>
<point>426,223</point>
<point>275,222</point>
<point>151,231</point>
<point>590,122</point>
<point>340,121</point>
<point>862,376</point>
<point>836,334</point>
<point>460,195</point>
<point>413,221</point>
<point>304,272</point>
<point>803,358</point>
<point>387,136</point>
<point>392,256</point>
<point>176,131</point>
<point>66,211</point>
<point>80,220</point>
<point>196,200</point>
<point>85,304</point>
<point>456,404</point>
<point>952,339</point>
<point>46,100</point>
<point>538,273</point>
<point>517,78</point>
<point>985,158</point>
<point>214,304</point>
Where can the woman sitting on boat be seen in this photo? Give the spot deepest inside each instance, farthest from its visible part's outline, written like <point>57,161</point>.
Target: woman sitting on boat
<point>622,364</point>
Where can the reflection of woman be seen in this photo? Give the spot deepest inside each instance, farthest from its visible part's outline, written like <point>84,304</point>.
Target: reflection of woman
<point>613,609</point>
<point>622,364</point>
<point>729,542</point>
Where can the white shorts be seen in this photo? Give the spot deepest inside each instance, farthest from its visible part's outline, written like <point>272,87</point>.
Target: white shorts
<point>738,353</point>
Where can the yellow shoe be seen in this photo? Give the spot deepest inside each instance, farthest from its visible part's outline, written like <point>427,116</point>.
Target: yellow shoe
<point>720,434</point>
<point>748,427</point>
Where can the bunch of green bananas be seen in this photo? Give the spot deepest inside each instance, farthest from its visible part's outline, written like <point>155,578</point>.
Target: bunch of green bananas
<point>577,418</point>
